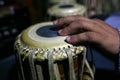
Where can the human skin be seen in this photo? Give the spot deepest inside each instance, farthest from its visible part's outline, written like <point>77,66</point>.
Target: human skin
<point>80,29</point>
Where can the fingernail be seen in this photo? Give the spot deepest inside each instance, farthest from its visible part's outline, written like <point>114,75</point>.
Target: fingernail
<point>55,22</point>
<point>68,38</point>
<point>60,31</point>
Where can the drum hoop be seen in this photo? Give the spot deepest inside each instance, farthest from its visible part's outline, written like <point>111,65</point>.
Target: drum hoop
<point>40,54</point>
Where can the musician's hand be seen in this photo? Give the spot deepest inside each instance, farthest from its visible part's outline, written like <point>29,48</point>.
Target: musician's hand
<point>80,29</point>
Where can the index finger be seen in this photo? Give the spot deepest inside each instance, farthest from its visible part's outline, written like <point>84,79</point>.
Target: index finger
<point>67,20</point>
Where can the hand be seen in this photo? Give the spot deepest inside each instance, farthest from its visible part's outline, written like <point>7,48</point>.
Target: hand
<point>81,29</point>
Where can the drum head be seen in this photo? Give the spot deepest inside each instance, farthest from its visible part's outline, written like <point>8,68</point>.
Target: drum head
<point>67,9</point>
<point>43,35</point>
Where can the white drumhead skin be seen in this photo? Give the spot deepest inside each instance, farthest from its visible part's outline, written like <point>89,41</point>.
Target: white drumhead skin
<point>31,38</point>
<point>67,9</point>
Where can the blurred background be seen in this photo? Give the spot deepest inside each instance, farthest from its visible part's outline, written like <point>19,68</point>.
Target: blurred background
<point>17,15</point>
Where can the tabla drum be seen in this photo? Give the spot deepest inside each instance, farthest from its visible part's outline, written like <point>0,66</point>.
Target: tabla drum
<point>54,2</point>
<point>66,9</point>
<point>44,55</point>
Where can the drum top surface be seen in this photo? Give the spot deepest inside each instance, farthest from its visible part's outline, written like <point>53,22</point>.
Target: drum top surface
<point>67,9</point>
<point>43,35</point>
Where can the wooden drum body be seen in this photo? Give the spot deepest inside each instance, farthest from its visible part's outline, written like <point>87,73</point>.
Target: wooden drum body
<point>44,55</point>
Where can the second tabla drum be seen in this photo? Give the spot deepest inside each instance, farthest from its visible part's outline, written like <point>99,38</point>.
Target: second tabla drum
<point>66,9</point>
<point>54,2</point>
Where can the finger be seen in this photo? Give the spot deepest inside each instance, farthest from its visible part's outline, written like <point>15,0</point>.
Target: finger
<point>78,26</point>
<point>84,37</point>
<point>73,28</point>
<point>67,20</point>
